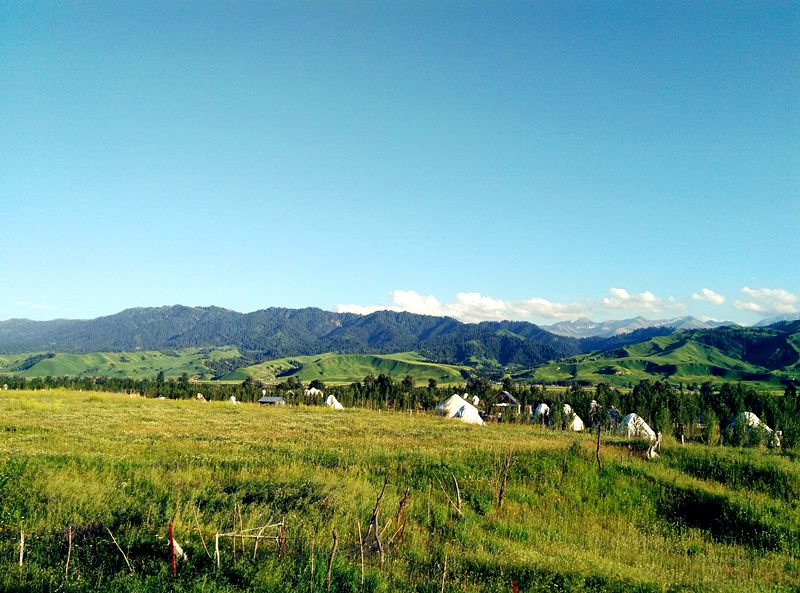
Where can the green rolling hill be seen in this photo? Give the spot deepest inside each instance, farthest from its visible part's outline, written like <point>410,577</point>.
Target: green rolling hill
<point>349,368</point>
<point>767,357</point>
<point>146,364</point>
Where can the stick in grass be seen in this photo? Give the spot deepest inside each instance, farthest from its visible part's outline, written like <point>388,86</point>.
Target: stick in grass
<point>113,539</point>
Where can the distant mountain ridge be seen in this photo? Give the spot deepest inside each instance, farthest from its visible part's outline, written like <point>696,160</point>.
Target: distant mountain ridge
<point>279,332</point>
<point>586,328</point>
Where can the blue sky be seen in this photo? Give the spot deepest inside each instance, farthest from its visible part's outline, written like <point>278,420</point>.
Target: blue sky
<point>532,160</point>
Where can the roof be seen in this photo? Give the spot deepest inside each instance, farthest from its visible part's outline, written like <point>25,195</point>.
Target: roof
<point>506,398</point>
<point>271,399</point>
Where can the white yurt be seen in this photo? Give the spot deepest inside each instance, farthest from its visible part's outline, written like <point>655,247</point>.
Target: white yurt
<point>332,402</point>
<point>634,426</point>
<point>450,406</point>
<point>468,414</point>
<point>753,422</point>
<point>573,421</point>
<point>539,412</point>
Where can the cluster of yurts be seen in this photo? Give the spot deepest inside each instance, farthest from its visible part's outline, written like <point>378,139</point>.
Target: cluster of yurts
<point>630,425</point>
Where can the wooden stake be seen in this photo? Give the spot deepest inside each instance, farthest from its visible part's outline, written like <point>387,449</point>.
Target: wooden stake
<point>21,547</point>
<point>330,560</point>
<point>282,536</point>
<point>361,546</point>
<point>312,565</point>
<point>444,572</point>
<point>113,539</point>
<point>216,548</point>
<point>172,551</point>
<point>69,549</point>
<point>458,494</point>
<point>202,539</point>
<point>258,537</point>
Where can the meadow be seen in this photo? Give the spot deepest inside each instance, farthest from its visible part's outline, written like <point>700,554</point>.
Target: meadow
<point>77,468</point>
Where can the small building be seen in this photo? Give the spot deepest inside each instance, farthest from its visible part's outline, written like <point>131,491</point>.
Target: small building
<point>505,400</point>
<point>272,400</point>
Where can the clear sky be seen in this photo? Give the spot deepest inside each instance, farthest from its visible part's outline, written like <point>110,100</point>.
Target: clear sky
<point>531,160</point>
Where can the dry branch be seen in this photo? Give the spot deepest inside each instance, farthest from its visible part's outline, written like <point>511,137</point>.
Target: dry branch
<point>330,560</point>
<point>113,539</point>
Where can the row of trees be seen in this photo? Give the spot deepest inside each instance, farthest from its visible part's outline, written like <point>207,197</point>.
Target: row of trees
<point>694,414</point>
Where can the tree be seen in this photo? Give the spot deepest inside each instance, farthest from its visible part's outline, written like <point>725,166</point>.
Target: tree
<point>317,384</point>
<point>710,427</point>
<point>508,384</point>
<point>408,383</point>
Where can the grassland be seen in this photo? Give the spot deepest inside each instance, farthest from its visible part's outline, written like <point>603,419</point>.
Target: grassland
<point>698,519</point>
<point>137,365</point>
<point>348,368</point>
<point>331,368</point>
<point>676,357</point>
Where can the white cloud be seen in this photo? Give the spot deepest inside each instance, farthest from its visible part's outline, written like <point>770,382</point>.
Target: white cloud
<point>472,307</point>
<point>773,301</point>
<point>706,294</point>
<point>645,301</point>
<point>39,306</point>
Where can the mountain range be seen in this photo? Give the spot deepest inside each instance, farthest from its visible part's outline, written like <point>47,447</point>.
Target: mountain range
<point>280,332</point>
<point>680,349</point>
<point>586,328</point>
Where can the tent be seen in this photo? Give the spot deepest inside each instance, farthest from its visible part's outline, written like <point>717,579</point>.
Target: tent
<point>634,426</point>
<point>753,422</point>
<point>469,414</point>
<point>332,402</point>
<point>540,411</point>
<point>232,399</point>
<point>450,406</point>
<point>574,421</point>
<point>313,392</point>
<point>455,407</point>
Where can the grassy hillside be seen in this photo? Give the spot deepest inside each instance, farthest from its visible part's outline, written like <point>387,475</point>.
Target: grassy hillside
<point>103,464</point>
<point>679,357</point>
<point>348,368</point>
<point>192,361</point>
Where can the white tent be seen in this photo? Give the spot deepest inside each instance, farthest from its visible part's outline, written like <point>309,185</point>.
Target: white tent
<point>539,411</point>
<point>455,407</point>
<point>753,422</point>
<point>313,392</point>
<point>576,425</point>
<point>332,402</point>
<point>450,406</point>
<point>634,426</point>
<point>232,399</point>
<point>469,414</point>
<point>475,399</point>
<point>574,421</point>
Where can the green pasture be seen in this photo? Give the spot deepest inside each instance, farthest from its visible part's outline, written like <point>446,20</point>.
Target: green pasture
<point>675,358</point>
<point>78,467</point>
<point>349,368</point>
<point>137,365</point>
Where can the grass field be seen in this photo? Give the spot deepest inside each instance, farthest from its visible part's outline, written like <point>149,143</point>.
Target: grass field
<point>676,358</point>
<point>349,368</point>
<point>144,364</point>
<point>79,463</point>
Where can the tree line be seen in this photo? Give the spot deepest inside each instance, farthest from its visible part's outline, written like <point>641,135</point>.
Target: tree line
<point>692,412</point>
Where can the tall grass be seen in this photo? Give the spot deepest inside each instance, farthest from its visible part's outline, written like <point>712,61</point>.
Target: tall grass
<point>88,463</point>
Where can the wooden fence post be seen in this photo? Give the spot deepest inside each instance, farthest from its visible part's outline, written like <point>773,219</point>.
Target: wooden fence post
<point>21,547</point>
<point>172,550</point>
